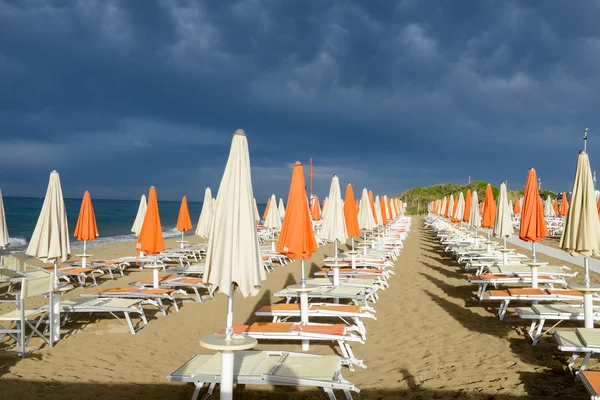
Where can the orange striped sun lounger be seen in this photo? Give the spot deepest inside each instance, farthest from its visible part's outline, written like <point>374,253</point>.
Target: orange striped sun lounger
<point>529,295</point>
<point>310,331</point>
<point>81,274</point>
<point>149,295</point>
<point>502,279</point>
<point>179,283</point>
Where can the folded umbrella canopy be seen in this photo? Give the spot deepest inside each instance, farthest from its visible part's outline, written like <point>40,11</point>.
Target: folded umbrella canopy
<point>378,211</point>
<point>273,220</point>
<point>475,217</point>
<point>503,224</point>
<point>459,210</point>
<point>581,233</point>
<point>450,207</point>
<point>564,205</point>
<point>384,216</point>
<point>139,217</point>
<point>206,215</point>
<point>315,210</point>
<point>334,224</point>
<point>373,209</point>
<point>267,209</point>
<point>4,238</point>
<point>151,240</point>
<point>533,227</point>
<point>50,239</point>
<point>184,222</point>
<point>555,206</point>
<point>489,210</point>
<point>517,206</point>
<point>297,239</point>
<point>86,228</point>
<point>256,214</point>
<point>366,221</point>
<point>467,212</point>
<point>350,214</point>
<point>548,208</point>
<point>233,257</point>
<point>281,208</point>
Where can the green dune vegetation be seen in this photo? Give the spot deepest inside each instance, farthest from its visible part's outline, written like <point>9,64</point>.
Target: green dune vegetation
<point>417,198</point>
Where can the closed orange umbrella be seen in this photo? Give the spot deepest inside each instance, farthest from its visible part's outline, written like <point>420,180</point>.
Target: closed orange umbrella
<point>316,209</point>
<point>468,200</point>
<point>533,227</point>
<point>372,201</point>
<point>86,228</point>
<point>555,206</point>
<point>184,222</point>
<point>350,214</point>
<point>297,239</point>
<point>151,239</point>
<point>564,205</point>
<point>384,218</point>
<point>598,206</point>
<point>489,212</point>
<point>267,209</point>
<point>517,206</point>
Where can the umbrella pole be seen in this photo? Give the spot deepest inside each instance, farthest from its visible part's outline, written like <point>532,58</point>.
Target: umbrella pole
<point>227,356</point>
<point>588,299</point>
<point>586,265</point>
<point>181,245</point>
<point>352,243</point>
<point>303,279</point>
<point>336,249</point>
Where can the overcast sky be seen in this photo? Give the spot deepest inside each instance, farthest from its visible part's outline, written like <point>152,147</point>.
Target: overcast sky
<point>121,95</point>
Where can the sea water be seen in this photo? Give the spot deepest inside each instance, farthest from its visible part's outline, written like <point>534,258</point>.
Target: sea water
<point>114,218</point>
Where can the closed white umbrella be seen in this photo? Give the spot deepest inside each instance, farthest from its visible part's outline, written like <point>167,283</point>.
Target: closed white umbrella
<point>206,215</point>
<point>324,211</point>
<point>503,227</point>
<point>549,208</point>
<point>366,221</point>
<point>450,206</point>
<point>511,205</point>
<point>139,217</point>
<point>281,208</point>
<point>334,223</point>
<point>460,209</point>
<point>378,211</point>
<point>273,220</point>
<point>475,220</point>
<point>4,238</point>
<point>233,257</point>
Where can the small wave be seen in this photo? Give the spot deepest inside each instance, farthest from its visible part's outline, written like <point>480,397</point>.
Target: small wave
<point>17,243</point>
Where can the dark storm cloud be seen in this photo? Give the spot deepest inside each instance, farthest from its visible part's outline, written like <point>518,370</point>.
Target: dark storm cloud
<point>120,95</point>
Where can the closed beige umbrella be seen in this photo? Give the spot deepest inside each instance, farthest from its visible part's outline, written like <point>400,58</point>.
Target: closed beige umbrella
<point>366,221</point>
<point>549,208</point>
<point>233,257</point>
<point>139,217</point>
<point>281,208</point>
<point>503,224</point>
<point>378,211</point>
<point>460,209</point>
<point>256,213</point>
<point>273,220</point>
<point>334,223</point>
<point>581,234</point>
<point>450,206</point>
<point>4,238</point>
<point>475,219</point>
<point>206,215</point>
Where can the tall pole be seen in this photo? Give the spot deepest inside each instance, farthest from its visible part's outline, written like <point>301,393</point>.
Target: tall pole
<point>585,139</point>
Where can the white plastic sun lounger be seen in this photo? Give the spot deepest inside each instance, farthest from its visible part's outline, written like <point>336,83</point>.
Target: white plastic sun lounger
<point>583,341</point>
<point>148,295</point>
<point>538,314</point>
<point>339,333</point>
<point>358,296</point>
<point>351,315</point>
<point>110,306</point>
<point>531,294</point>
<point>180,283</point>
<point>267,368</point>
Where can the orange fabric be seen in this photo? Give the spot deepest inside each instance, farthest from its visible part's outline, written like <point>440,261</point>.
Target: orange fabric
<point>533,227</point>
<point>564,205</point>
<point>526,292</point>
<point>489,212</point>
<point>86,228</point>
<point>356,206</point>
<point>593,380</point>
<point>384,218</point>
<point>454,207</point>
<point>267,209</point>
<point>555,206</point>
<point>184,222</point>
<point>350,213</point>
<point>151,239</point>
<point>517,206</point>
<point>598,206</point>
<point>297,239</point>
<point>468,200</point>
<point>373,206</point>
<point>480,208</point>
<point>324,202</point>
<point>315,209</point>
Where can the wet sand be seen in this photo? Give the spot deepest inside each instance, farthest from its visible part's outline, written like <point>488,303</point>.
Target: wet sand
<point>431,339</point>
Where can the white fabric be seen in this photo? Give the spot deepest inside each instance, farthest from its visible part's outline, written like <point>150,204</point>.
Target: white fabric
<point>256,214</point>
<point>450,206</point>
<point>581,233</point>
<point>50,239</point>
<point>139,217</point>
<point>549,208</point>
<point>475,219</point>
<point>324,210</point>
<point>378,211</point>
<point>273,220</point>
<point>460,209</point>
<point>4,238</point>
<point>334,223</point>
<point>206,215</point>
<point>503,224</point>
<point>281,208</point>
<point>365,213</point>
<point>233,254</point>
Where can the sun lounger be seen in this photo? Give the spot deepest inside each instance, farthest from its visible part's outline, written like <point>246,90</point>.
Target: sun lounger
<point>103,305</point>
<point>358,296</point>
<point>380,275</point>
<point>591,381</point>
<point>583,341</point>
<point>531,294</point>
<point>345,312</point>
<point>148,295</point>
<point>178,282</point>
<point>267,368</point>
<point>339,333</point>
<point>539,314</point>
<point>502,279</point>
<point>80,274</point>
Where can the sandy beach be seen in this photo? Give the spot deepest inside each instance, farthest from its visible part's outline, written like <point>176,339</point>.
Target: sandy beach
<point>431,339</point>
